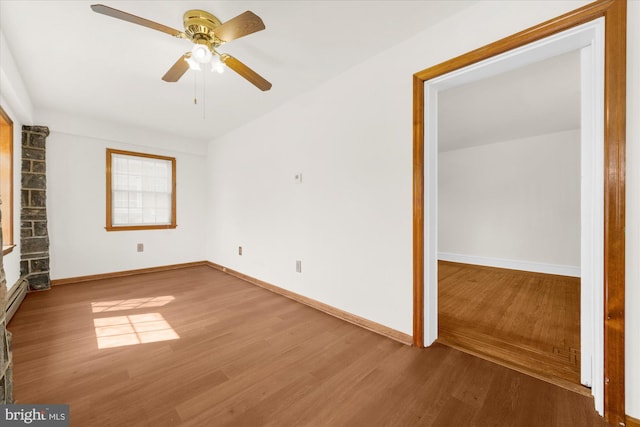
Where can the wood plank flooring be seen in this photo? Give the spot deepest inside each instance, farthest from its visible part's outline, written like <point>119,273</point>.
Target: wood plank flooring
<point>244,356</point>
<point>528,321</point>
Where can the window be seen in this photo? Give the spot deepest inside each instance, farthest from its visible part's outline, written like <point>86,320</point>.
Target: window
<point>141,191</point>
<point>6,181</point>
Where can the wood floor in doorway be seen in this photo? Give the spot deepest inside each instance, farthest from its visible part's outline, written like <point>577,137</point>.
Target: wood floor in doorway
<point>527,321</point>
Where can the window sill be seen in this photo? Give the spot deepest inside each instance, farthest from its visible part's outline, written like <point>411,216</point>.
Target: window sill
<point>140,227</point>
<point>7,249</point>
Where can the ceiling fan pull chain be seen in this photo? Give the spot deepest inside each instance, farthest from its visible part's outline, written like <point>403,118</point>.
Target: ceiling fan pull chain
<point>195,89</point>
<point>204,96</point>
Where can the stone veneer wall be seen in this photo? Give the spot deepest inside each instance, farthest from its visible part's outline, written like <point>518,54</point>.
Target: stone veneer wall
<point>34,237</point>
<point>6,362</point>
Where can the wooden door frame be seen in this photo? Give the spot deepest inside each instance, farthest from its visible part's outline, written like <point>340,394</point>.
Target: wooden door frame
<point>614,13</point>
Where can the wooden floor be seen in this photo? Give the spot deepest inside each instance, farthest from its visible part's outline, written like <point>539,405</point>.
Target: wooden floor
<point>229,353</point>
<point>528,321</point>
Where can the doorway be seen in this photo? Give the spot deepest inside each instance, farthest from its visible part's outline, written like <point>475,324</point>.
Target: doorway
<point>607,338</point>
<point>509,219</point>
<point>586,38</point>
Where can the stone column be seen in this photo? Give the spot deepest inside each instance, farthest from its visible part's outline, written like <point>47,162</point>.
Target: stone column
<point>6,362</point>
<point>34,237</point>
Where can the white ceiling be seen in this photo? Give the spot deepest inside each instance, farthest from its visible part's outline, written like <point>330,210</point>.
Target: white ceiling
<point>79,62</point>
<point>537,99</point>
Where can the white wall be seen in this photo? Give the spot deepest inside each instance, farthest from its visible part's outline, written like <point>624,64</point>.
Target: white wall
<point>632,338</point>
<point>512,204</point>
<point>76,199</point>
<point>350,219</point>
<point>344,217</point>
<point>16,102</point>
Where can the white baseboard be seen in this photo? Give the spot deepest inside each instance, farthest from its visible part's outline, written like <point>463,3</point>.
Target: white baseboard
<point>333,311</point>
<point>561,270</point>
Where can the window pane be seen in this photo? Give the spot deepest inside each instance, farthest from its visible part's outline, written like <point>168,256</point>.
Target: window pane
<point>120,182</point>
<point>164,201</point>
<point>135,216</point>
<point>163,216</point>
<point>120,216</point>
<point>120,199</point>
<point>135,182</point>
<point>135,166</point>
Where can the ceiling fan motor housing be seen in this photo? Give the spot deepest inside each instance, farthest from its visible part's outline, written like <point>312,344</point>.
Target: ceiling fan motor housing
<point>199,26</point>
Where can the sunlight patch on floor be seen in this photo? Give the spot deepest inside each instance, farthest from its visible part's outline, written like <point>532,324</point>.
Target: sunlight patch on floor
<point>121,331</point>
<point>130,304</point>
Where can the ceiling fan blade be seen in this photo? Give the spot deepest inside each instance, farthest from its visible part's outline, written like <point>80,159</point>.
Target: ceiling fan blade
<point>256,79</point>
<point>240,26</point>
<point>115,13</point>
<point>176,71</point>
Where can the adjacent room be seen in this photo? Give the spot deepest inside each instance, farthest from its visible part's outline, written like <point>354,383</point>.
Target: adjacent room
<point>509,227</point>
<point>209,215</point>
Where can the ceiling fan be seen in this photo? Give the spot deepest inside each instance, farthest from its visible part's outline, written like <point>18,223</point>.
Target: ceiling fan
<point>207,33</point>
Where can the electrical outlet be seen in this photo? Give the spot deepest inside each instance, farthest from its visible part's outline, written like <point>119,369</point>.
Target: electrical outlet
<point>239,250</point>
<point>140,247</point>
<point>298,266</point>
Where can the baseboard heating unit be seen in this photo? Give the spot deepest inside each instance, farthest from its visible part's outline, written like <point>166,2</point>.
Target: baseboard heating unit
<point>15,297</point>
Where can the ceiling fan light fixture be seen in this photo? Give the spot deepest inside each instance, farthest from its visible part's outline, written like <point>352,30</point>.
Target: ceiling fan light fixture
<point>192,63</point>
<point>201,54</point>
<point>217,65</point>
